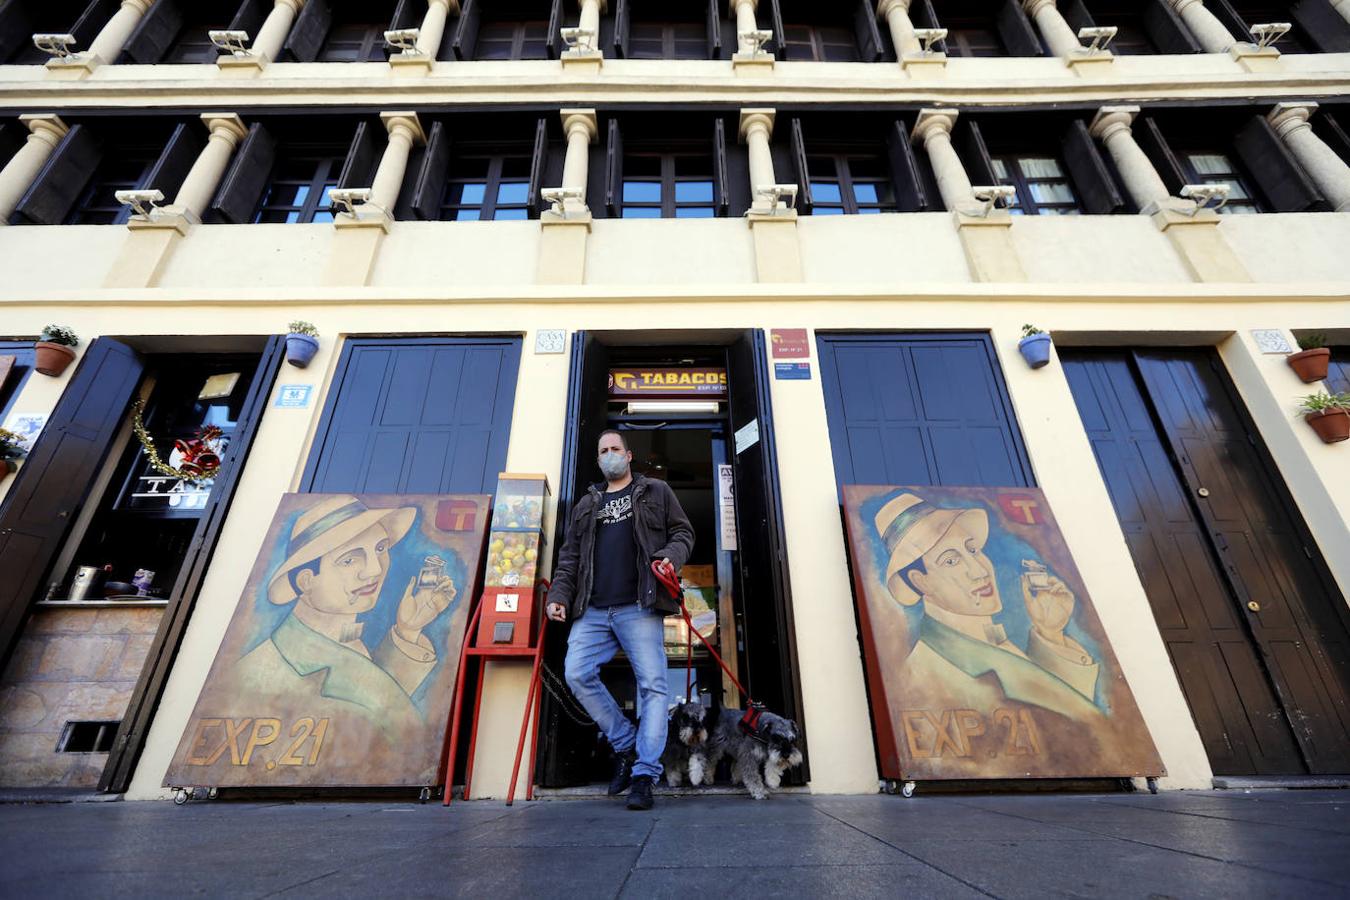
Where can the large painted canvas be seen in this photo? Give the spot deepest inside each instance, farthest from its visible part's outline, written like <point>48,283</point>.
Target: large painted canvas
<point>985,656</point>
<point>338,666</point>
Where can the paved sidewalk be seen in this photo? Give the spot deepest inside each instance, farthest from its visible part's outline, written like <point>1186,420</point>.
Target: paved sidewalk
<point>1229,844</point>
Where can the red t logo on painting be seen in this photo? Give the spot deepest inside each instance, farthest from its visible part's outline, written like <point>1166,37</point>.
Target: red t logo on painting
<point>1022,509</point>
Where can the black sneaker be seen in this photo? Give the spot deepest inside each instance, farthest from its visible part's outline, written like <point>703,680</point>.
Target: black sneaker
<point>623,773</point>
<point>640,797</point>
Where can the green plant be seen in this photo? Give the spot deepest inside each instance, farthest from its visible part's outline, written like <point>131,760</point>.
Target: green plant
<point>300,326</point>
<point>1323,402</point>
<point>1314,340</point>
<point>60,334</point>
<point>11,445</point>
<point>1029,330</point>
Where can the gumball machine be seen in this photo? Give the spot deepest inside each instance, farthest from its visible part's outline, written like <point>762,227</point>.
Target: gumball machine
<point>515,546</point>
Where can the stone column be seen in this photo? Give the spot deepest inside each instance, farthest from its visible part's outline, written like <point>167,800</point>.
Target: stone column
<point>934,129</point>
<point>113,35</point>
<point>590,19</point>
<point>745,21</point>
<point>1111,126</point>
<point>226,131</point>
<point>1327,170</point>
<point>896,14</point>
<point>1053,27</point>
<point>756,129</point>
<point>579,125</point>
<point>587,60</point>
<point>271,36</point>
<point>404,131</point>
<point>1342,7</point>
<point>1204,26</point>
<point>45,131</point>
<point>433,26</point>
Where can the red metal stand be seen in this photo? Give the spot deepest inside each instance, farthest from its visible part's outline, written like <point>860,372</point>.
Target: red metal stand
<point>480,655</point>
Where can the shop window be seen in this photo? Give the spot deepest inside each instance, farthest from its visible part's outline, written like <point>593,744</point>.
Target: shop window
<point>1219,168</point>
<point>512,40</point>
<point>87,737</point>
<point>299,187</point>
<point>668,186</point>
<point>820,43</point>
<point>668,40</point>
<point>487,188</point>
<point>16,364</point>
<point>850,184</point>
<point>21,19</point>
<point>1043,187</point>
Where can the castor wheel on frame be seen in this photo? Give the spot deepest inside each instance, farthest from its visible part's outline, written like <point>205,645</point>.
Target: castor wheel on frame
<point>424,795</point>
<point>908,790</point>
<point>180,796</point>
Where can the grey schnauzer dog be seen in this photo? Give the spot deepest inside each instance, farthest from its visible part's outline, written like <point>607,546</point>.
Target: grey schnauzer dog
<point>686,753</point>
<point>757,763</point>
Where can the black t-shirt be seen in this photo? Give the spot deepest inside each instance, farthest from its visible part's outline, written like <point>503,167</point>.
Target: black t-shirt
<point>615,581</point>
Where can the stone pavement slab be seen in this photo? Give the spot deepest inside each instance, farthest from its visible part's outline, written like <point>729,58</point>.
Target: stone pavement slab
<point>1205,844</point>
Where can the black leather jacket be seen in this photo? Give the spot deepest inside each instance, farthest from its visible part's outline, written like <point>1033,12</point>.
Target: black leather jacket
<point>660,527</point>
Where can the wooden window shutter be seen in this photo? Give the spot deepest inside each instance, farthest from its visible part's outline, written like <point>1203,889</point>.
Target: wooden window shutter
<point>1282,179</point>
<point>466,32</point>
<point>169,171</point>
<point>408,14</point>
<point>1096,189</point>
<point>242,187</point>
<point>403,208</point>
<point>714,30</point>
<point>91,22</point>
<point>363,155</point>
<point>155,32</point>
<point>613,170</point>
<point>865,27</point>
<point>969,142</point>
<point>16,28</point>
<point>719,155</point>
<point>12,136</point>
<point>429,188</point>
<point>1016,30</point>
<point>800,170</point>
<point>310,28</point>
<point>923,15</point>
<point>1327,28</point>
<point>249,17</point>
<point>1165,28</point>
<point>61,180</point>
<point>538,166</point>
<point>910,195</point>
<point>1076,13</point>
<point>1225,13</point>
<point>55,480</point>
<point>1150,139</point>
<point>553,40</point>
<point>778,46</point>
<point>1334,131</point>
<point>623,22</point>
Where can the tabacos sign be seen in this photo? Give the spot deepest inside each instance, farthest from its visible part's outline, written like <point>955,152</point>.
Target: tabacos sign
<point>667,383</point>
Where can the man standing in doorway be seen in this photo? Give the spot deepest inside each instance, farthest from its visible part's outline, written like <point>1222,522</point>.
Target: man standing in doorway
<point>603,581</point>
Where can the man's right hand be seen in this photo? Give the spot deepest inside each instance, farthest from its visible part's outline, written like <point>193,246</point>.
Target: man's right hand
<point>556,612</point>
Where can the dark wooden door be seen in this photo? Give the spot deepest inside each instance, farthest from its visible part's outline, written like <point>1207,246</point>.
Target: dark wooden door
<point>1251,619</point>
<point>417,416</point>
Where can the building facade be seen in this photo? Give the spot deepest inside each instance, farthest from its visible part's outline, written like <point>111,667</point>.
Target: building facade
<point>846,212</point>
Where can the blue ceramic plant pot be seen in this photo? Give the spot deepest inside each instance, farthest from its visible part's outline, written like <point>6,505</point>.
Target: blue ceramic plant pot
<point>300,349</point>
<point>1035,349</point>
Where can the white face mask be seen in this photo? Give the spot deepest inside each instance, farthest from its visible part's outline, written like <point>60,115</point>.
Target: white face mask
<point>613,465</point>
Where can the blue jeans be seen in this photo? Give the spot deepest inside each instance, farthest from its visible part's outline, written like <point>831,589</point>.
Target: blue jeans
<point>594,640</point>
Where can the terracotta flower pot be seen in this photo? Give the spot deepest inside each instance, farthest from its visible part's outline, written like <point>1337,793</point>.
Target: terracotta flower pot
<point>6,467</point>
<point>52,359</point>
<point>1310,365</point>
<point>1332,425</point>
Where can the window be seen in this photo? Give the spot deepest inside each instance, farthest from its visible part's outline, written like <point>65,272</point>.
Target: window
<point>512,40</point>
<point>1131,38</point>
<point>191,45</point>
<point>302,178</point>
<point>1043,187</point>
<point>972,37</point>
<point>43,17</point>
<point>667,186</point>
<point>850,184</point>
<point>1258,13</point>
<point>355,42</point>
<point>820,43</point>
<point>485,188</point>
<point>668,40</point>
<point>1216,168</point>
<point>22,367</point>
<point>121,169</point>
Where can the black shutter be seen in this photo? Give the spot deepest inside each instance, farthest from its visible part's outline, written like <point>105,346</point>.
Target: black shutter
<point>1325,27</point>
<point>1084,161</point>
<point>155,32</point>
<point>310,28</point>
<point>16,29</point>
<point>778,46</point>
<point>969,141</point>
<point>1016,30</point>
<point>538,166</point>
<point>61,180</point>
<point>553,39</point>
<point>242,187</point>
<point>466,32</point>
<point>12,136</point>
<point>363,155</point>
<point>1282,179</point>
<point>1076,13</point>
<point>179,154</point>
<point>1150,139</point>
<point>91,22</point>
<point>923,15</point>
<point>250,16</point>
<point>1165,28</point>
<point>719,157</point>
<point>408,14</point>
<point>714,30</point>
<point>865,28</point>
<point>622,24</point>
<point>800,169</point>
<point>1230,19</point>
<point>403,206</point>
<point>56,478</point>
<point>429,189</point>
<point>909,192</point>
<point>613,170</point>
<point>1329,129</point>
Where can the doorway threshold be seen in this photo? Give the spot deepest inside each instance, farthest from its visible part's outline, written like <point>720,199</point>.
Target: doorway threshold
<point>589,791</point>
<point>1280,782</point>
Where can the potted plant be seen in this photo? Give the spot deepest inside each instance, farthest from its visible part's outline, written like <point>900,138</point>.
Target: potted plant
<point>1310,363</point>
<point>301,343</point>
<point>1328,414</point>
<point>11,450</point>
<point>1034,346</point>
<point>55,349</point>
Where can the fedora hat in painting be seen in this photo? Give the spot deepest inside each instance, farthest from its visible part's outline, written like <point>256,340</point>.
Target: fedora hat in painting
<point>328,525</point>
<point>910,526</point>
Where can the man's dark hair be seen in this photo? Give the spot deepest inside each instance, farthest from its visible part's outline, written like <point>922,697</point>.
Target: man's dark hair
<point>619,434</point>
<point>312,565</point>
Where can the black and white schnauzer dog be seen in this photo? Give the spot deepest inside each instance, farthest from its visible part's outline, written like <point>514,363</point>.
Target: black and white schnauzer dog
<point>686,753</point>
<point>700,736</point>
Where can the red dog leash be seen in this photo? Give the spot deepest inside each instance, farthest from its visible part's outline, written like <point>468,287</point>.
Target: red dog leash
<point>665,573</point>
